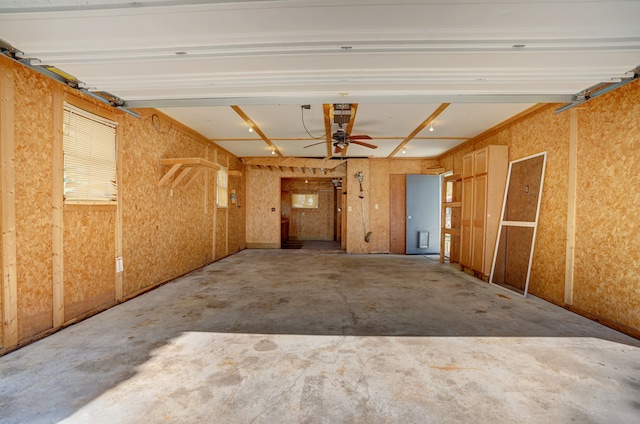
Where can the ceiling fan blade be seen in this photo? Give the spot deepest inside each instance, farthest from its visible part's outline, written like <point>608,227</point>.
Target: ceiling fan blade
<point>362,143</point>
<point>338,149</point>
<point>360,137</point>
<point>314,144</point>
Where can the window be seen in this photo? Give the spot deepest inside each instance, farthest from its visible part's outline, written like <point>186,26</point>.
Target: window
<point>222,198</point>
<point>304,201</point>
<point>89,147</point>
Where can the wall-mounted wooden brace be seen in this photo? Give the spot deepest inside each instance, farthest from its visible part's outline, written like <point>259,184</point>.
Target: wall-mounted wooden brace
<point>184,167</point>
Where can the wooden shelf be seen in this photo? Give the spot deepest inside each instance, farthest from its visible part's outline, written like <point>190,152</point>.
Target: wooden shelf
<point>185,167</point>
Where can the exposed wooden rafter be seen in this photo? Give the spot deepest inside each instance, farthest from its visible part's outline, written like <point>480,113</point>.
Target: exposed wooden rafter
<point>257,129</point>
<point>352,120</point>
<point>293,162</point>
<point>327,127</point>
<point>420,127</point>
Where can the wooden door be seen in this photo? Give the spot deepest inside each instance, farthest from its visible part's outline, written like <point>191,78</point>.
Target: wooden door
<point>397,213</point>
<point>465,221</point>
<point>478,222</point>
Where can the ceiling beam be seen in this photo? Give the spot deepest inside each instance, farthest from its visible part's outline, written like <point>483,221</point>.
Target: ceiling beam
<point>422,126</point>
<point>326,108</point>
<point>352,120</point>
<point>257,129</point>
<point>293,162</point>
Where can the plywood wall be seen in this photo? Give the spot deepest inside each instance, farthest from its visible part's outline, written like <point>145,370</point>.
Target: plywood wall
<point>607,274</point>
<point>165,232</point>
<point>607,252</point>
<point>263,194</point>
<point>89,246</point>
<point>263,208</point>
<point>33,129</point>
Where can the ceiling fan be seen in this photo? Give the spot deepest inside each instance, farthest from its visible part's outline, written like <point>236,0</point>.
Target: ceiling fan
<point>341,113</point>
<point>341,139</point>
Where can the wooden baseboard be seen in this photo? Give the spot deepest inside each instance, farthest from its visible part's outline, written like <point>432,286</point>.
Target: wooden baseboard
<point>263,246</point>
<point>629,331</point>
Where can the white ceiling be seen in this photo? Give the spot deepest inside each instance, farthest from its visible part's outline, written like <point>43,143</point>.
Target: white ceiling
<point>399,61</point>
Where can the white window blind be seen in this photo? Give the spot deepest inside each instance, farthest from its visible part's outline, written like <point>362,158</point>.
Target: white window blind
<point>89,145</point>
<point>222,199</point>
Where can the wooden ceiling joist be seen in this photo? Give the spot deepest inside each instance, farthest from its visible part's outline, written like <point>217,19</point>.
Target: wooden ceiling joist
<point>293,162</point>
<point>420,127</point>
<point>327,127</point>
<point>352,120</point>
<point>257,129</point>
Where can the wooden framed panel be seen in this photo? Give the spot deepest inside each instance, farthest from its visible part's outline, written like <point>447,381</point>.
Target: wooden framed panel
<point>511,267</point>
<point>478,223</point>
<point>465,221</point>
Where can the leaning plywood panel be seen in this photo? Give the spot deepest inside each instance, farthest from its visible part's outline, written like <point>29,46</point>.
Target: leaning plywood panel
<point>89,259</point>
<point>607,251</point>
<point>33,155</point>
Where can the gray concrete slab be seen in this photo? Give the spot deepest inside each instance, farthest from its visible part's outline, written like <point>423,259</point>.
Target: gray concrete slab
<point>303,336</point>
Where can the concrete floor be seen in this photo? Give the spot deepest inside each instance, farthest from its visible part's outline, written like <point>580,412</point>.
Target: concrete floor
<point>303,336</point>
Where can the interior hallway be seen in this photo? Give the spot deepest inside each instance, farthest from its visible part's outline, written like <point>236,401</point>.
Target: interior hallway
<point>304,336</point>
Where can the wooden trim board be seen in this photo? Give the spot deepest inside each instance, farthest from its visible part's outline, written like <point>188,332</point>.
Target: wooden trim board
<point>8,195</point>
<point>57,207</point>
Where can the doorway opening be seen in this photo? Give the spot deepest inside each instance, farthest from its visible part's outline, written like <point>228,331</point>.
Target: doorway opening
<point>311,213</point>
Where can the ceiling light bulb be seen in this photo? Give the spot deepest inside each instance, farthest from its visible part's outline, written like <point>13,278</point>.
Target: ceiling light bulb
<point>306,181</point>
<point>250,129</point>
<point>403,151</point>
<point>273,151</point>
<point>431,128</point>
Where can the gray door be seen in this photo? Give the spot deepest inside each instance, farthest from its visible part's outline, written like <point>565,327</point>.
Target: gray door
<point>423,214</point>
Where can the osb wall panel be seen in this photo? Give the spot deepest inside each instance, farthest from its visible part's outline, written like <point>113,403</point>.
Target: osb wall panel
<point>379,194</point>
<point>89,260</point>
<point>263,193</point>
<point>263,207</point>
<point>166,232</point>
<point>33,144</point>
<point>607,255</point>
<point>221,233</point>
<point>355,226</point>
<point>547,131</point>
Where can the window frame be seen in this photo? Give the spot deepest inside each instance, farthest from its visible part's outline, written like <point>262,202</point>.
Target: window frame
<point>222,190</point>
<point>90,145</point>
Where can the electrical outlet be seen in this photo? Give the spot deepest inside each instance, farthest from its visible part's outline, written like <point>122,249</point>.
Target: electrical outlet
<point>348,208</point>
